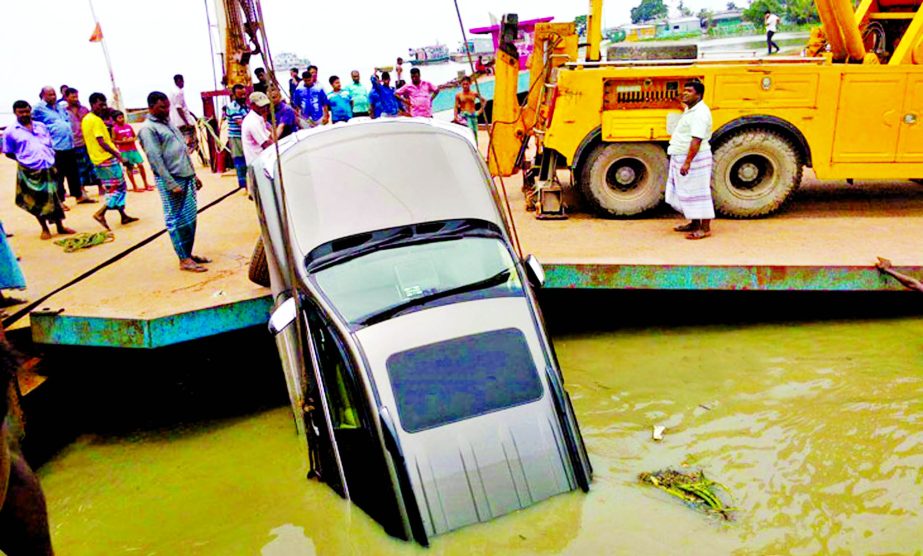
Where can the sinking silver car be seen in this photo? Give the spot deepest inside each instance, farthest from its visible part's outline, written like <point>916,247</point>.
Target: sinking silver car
<point>417,361</point>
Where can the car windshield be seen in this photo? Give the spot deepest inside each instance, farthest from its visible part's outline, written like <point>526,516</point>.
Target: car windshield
<point>389,280</point>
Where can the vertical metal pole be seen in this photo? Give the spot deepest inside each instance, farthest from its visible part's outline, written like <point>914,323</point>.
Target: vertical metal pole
<point>211,45</point>
<point>594,30</point>
<point>116,94</point>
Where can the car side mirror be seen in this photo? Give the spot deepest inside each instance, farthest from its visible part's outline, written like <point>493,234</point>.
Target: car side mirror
<point>534,271</point>
<point>283,316</point>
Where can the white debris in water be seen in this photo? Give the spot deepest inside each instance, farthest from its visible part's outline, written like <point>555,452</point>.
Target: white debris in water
<point>657,433</point>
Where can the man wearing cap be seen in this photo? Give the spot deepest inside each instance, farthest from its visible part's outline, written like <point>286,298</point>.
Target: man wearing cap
<point>254,131</point>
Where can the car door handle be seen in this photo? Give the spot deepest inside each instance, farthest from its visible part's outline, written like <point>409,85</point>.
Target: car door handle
<point>910,118</point>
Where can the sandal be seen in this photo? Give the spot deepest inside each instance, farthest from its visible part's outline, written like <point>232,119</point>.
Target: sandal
<point>690,227</point>
<point>193,267</point>
<point>200,260</point>
<point>102,220</point>
<point>698,234</point>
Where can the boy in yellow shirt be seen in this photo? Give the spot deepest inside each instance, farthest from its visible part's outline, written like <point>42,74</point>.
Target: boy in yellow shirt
<point>107,160</point>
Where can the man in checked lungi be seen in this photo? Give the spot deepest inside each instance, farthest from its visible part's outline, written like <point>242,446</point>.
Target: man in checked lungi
<point>689,178</point>
<point>29,143</point>
<point>107,161</point>
<point>165,148</point>
<point>76,112</point>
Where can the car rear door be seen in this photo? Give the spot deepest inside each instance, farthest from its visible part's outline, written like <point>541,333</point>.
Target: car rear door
<point>360,451</point>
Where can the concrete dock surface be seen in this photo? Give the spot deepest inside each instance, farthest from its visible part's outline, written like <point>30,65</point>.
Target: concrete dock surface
<point>146,285</point>
<point>826,238</point>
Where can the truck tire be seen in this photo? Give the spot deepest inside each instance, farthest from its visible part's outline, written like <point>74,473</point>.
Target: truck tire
<point>259,268</point>
<point>623,179</point>
<point>755,171</point>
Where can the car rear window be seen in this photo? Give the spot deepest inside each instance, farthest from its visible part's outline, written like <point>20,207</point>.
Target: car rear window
<point>463,377</point>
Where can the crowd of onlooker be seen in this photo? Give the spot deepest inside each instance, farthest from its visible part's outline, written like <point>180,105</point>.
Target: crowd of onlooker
<point>249,114</point>
<point>66,151</point>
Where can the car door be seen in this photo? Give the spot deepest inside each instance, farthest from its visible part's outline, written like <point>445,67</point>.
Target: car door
<point>360,451</point>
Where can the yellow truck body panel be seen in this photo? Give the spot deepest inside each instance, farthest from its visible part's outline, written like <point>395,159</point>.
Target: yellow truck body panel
<point>859,121</point>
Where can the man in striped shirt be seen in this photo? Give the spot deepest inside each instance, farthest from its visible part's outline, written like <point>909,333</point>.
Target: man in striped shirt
<point>235,112</point>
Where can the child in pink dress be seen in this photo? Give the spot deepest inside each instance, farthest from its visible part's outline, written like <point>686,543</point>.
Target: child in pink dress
<point>124,136</point>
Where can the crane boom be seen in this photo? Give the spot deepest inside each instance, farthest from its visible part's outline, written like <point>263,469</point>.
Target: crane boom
<point>241,25</point>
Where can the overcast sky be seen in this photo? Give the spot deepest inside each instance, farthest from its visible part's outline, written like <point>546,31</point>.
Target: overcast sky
<point>150,41</point>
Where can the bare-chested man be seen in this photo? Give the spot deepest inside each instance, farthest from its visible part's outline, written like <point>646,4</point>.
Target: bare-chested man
<point>466,111</point>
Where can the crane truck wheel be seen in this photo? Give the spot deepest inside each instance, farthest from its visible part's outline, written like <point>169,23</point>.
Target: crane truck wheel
<point>622,179</point>
<point>755,172</point>
<point>259,267</point>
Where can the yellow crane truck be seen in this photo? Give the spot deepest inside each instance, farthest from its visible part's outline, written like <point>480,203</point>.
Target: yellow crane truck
<point>850,108</point>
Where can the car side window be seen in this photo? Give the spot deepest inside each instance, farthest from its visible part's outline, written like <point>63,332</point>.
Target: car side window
<point>338,373</point>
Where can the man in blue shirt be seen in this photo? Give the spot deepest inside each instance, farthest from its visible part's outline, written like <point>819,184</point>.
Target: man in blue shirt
<point>62,140</point>
<point>341,108</point>
<point>311,101</point>
<point>286,120</point>
<point>382,98</point>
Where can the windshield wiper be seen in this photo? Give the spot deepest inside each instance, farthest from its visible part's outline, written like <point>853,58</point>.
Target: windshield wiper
<point>342,256</point>
<point>338,257</point>
<point>494,280</point>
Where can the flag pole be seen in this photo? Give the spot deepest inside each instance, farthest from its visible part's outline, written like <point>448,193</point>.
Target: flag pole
<point>116,94</point>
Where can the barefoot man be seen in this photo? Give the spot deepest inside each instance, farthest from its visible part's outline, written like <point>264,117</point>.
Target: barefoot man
<point>166,152</point>
<point>29,144</point>
<point>689,178</point>
<point>107,161</point>
<point>465,103</point>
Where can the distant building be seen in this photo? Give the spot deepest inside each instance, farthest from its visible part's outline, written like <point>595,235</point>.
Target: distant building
<point>679,26</point>
<point>727,19</point>
<point>639,31</point>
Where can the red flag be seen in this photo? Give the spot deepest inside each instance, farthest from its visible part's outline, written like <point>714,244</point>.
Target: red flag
<point>97,35</point>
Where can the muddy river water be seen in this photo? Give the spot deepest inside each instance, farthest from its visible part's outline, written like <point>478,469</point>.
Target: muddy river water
<point>817,429</point>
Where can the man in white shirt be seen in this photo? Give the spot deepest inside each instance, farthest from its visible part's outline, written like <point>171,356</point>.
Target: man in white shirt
<point>771,21</point>
<point>254,131</point>
<point>689,178</point>
<point>180,116</point>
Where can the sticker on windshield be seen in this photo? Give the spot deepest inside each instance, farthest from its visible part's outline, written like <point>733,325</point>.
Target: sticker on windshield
<point>413,291</point>
<point>416,277</point>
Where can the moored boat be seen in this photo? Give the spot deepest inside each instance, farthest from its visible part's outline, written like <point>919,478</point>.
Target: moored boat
<point>433,54</point>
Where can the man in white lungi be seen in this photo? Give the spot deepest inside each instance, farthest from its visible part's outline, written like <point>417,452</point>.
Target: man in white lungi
<point>689,179</point>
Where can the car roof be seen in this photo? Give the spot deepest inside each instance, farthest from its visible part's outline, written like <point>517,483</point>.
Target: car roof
<point>369,175</point>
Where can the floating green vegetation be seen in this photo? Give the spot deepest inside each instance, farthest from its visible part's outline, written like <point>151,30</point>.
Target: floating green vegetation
<point>692,488</point>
